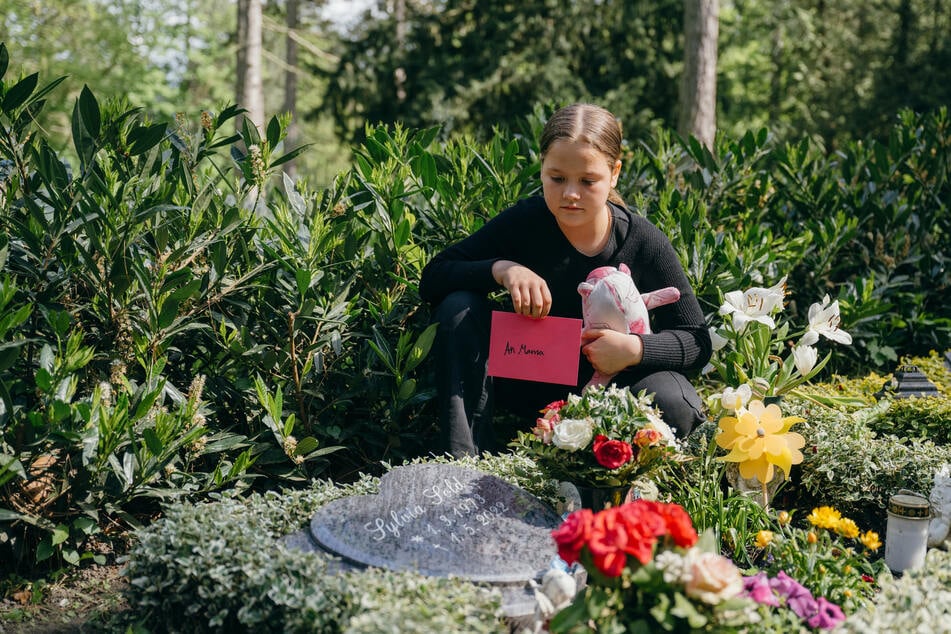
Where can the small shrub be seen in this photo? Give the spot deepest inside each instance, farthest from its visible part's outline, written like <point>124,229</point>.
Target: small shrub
<point>218,565</point>
<point>920,599</point>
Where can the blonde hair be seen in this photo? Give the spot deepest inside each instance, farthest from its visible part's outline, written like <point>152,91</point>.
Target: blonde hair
<point>586,123</point>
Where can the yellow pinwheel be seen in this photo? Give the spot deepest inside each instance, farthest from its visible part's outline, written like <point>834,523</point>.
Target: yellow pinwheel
<point>758,438</point>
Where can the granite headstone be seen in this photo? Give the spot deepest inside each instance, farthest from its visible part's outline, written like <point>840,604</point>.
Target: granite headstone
<point>441,520</point>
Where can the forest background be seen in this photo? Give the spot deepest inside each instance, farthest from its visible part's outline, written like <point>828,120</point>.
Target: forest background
<point>180,314</point>
<point>829,70</point>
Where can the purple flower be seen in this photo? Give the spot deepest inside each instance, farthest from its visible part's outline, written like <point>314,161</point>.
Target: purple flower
<point>804,606</point>
<point>786,586</point>
<point>827,616</point>
<point>757,588</point>
<point>798,598</point>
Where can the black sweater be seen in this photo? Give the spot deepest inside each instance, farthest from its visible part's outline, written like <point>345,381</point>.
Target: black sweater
<point>528,234</point>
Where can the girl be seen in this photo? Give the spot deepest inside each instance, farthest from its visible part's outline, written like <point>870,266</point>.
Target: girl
<point>539,250</point>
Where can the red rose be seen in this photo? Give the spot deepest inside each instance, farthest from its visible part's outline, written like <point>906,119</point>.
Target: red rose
<point>611,454</point>
<point>573,534</point>
<point>644,517</point>
<point>609,542</point>
<point>679,525</point>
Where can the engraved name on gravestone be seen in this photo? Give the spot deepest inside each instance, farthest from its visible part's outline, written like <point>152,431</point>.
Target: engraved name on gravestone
<point>442,520</point>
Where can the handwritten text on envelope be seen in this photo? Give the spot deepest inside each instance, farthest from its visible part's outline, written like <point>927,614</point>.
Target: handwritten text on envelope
<point>546,350</point>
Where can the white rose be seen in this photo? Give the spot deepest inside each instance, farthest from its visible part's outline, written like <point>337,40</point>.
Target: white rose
<point>573,434</point>
<point>713,578</point>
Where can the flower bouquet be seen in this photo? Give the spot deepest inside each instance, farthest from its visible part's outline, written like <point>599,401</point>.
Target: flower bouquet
<point>749,345</point>
<point>606,437</point>
<point>648,571</point>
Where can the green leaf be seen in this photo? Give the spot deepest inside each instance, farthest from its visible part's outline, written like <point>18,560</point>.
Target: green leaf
<point>19,92</point>
<point>44,380</point>
<point>407,389</point>
<point>306,446</point>
<point>303,278</point>
<point>427,170</point>
<point>9,516</point>
<point>273,132</point>
<point>144,138</point>
<point>89,112</point>
<point>290,155</point>
<point>152,441</point>
<point>4,59</point>
<point>44,550</point>
<point>511,153</point>
<point>71,557</point>
<point>401,233</point>
<point>422,347</point>
<point>60,534</point>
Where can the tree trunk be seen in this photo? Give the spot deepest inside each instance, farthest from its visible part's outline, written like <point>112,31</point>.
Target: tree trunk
<point>290,82</point>
<point>698,94</point>
<point>250,91</point>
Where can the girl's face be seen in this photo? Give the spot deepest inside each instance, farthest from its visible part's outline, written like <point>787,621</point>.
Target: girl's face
<point>576,181</point>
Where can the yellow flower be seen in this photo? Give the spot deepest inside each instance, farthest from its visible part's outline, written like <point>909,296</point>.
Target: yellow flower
<point>763,538</point>
<point>824,517</point>
<point>870,540</point>
<point>783,518</point>
<point>812,538</point>
<point>848,593</point>
<point>759,439</point>
<point>847,528</point>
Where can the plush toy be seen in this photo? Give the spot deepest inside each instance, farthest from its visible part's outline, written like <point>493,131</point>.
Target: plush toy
<point>610,299</point>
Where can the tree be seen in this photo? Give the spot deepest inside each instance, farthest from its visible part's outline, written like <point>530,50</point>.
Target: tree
<point>472,65</point>
<point>698,96</point>
<point>250,89</point>
<point>290,78</point>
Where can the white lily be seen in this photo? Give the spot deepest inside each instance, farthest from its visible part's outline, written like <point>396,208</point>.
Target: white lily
<point>824,320</point>
<point>735,399</point>
<point>805,358</point>
<point>754,304</point>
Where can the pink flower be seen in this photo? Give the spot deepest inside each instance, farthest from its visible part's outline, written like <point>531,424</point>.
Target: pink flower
<point>611,454</point>
<point>828,615</point>
<point>713,579</point>
<point>544,428</point>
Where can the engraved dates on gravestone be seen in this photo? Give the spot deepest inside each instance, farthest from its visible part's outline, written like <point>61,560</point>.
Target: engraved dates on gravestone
<point>442,520</point>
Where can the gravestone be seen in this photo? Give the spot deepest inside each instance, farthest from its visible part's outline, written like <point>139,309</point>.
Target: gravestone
<point>442,520</point>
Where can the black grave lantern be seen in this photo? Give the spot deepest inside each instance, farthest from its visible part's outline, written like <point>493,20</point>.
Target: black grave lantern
<point>908,381</point>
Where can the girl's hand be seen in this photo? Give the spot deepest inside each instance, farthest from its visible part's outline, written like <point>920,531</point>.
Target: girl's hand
<point>610,351</point>
<point>529,291</point>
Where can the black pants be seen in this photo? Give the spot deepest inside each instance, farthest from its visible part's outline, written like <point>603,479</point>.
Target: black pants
<point>467,397</point>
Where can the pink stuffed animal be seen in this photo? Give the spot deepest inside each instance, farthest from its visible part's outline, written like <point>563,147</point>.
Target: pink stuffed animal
<point>610,299</point>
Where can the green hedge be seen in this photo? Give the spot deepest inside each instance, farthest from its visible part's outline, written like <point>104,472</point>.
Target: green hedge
<point>178,317</point>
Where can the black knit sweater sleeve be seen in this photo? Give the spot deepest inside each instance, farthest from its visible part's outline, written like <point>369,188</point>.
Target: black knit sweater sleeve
<point>467,265</point>
<point>680,339</point>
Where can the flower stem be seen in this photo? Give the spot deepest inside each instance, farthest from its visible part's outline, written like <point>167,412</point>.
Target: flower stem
<point>765,497</point>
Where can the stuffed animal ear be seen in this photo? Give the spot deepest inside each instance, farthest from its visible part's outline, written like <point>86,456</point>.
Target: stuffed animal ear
<point>623,269</point>
<point>585,289</point>
<point>661,297</point>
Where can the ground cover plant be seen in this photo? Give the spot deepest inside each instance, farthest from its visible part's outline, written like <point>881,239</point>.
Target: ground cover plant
<point>178,318</point>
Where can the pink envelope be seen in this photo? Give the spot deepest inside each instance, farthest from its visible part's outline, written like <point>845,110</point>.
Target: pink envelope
<point>546,350</point>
